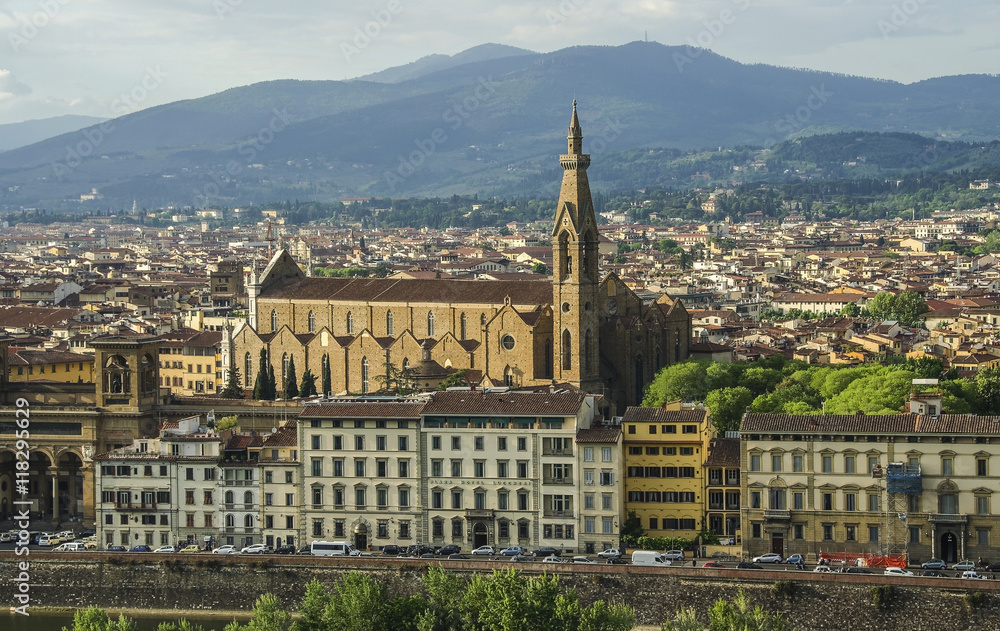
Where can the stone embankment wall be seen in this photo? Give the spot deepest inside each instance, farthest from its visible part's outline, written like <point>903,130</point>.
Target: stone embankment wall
<point>810,601</point>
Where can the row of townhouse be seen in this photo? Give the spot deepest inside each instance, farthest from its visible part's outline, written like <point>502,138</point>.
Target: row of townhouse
<point>919,483</point>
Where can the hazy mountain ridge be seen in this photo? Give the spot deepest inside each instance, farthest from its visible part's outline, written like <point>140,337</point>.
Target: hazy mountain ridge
<point>14,135</point>
<point>494,124</point>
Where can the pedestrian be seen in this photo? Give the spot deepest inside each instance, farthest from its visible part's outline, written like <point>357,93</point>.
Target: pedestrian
<point>694,563</point>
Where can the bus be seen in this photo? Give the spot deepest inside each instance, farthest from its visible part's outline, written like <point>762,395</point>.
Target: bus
<point>333,549</point>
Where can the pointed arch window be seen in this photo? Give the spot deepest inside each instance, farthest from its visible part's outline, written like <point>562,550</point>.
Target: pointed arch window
<point>482,320</point>
<point>508,377</point>
<point>350,323</point>
<point>659,360</point>
<point>677,345</point>
<point>462,327</point>
<point>430,324</point>
<point>567,351</point>
<point>284,367</point>
<point>364,375</point>
<point>312,322</point>
<point>274,320</point>
<point>587,362</point>
<point>247,370</point>
<point>548,359</point>
<point>388,323</point>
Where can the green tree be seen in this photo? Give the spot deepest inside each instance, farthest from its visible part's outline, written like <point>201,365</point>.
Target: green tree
<point>327,382</point>
<point>761,380</point>
<point>444,590</point>
<point>539,268</point>
<point>308,386</point>
<point>272,388</point>
<point>263,385</point>
<point>881,307</point>
<point>988,389</point>
<point>908,307</point>
<point>727,406</point>
<point>382,270</point>
<point>851,310</point>
<point>290,386</point>
<point>738,615</point>
<point>631,530</point>
<point>226,422</point>
<point>268,615</point>
<point>454,380</point>
<point>684,381</point>
<point>233,389</point>
<point>883,391</point>
<point>396,381</point>
<point>96,619</point>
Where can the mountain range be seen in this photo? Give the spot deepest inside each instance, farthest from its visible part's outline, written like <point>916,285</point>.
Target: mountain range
<point>490,120</point>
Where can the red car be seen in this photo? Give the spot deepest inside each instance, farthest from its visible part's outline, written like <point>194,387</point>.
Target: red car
<point>713,564</point>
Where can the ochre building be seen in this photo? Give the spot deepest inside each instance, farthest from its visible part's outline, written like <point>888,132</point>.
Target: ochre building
<point>576,328</point>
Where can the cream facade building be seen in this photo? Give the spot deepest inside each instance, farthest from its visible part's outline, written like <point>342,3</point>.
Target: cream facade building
<point>808,486</point>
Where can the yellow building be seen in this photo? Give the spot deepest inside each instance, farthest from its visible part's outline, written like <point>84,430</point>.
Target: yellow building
<point>190,362</point>
<point>38,365</point>
<point>665,452</point>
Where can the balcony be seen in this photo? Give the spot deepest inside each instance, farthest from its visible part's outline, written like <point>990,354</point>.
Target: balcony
<point>557,481</point>
<point>557,513</point>
<point>126,506</point>
<point>946,519</point>
<point>557,452</point>
<point>239,483</point>
<point>774,514</point>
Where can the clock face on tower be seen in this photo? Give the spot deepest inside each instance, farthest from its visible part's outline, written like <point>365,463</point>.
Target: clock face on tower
<point>612,307</point>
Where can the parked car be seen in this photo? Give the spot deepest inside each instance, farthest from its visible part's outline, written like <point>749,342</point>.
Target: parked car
<point>545,552</point>
<point>166,549</point>
<point>390,550</point>
<point>897,571</point>
<point>5,537</point>
<point>513,551</point>
<point>674,555</point>
<point>140,548</point>
<point>448,549</point>
<point>795,559</point>
<point>88,533</point>
<point>69,547</point>
<point>552,558</point>
<point>617,561</point>
<point>822,568</point>
<point>584,560</point>
<point>713,564</point>
<point>115,549</point>
<point>305,550</point>
<point>45,540</point>
<point>226,549</point>
<point>934,564</point>
<point>457,557</point>
<point>418,550</point>
<point>255,548</point>
<point>484,551</point>
<point>994,567</point>
<point>933,573</point>
<point>649,557</point>
<point>963,566</point>
<point>858,570</point>
<point>611,553</point>
<point>770,557</point>
<point>190,549</point>
<point>746,565</point>
<point>973,574</point>
<point>286,549</point>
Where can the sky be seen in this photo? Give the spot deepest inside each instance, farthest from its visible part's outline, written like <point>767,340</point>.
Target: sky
<point>107,58</point>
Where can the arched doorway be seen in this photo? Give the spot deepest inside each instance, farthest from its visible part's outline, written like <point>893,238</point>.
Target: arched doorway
<point>480,535</point>
<point>949,547</point>
<point>361,537</point>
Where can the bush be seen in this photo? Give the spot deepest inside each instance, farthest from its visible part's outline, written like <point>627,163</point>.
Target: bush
<point>783,590</point>
<point>882,595</point>
<point>974,600</point>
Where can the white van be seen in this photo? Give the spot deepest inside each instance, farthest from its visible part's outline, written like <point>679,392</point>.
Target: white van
<point>649,557</point>
<point>333,549</point>
<point>70,547</point>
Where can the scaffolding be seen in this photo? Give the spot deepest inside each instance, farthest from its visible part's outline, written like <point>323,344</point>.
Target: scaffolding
<point>901,482</point>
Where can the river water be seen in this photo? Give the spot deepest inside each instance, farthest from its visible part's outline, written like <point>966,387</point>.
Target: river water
<point>39,622</point>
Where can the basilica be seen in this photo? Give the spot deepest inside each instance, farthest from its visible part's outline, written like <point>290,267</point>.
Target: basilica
<point>577,329</point>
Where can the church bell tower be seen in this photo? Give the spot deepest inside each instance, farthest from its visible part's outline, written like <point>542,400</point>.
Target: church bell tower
<point>575,279</point>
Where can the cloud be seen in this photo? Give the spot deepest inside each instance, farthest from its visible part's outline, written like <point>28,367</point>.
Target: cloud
<point>10,87</point>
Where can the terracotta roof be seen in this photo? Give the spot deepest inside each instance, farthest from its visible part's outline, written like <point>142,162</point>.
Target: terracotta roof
<point>477,402</point>
<point>34,317</point>
<point>381,290</point>
<point>634,414</point>
<point>724,452</point>
<point>867,424</point>
<point>364,409</point>
<point>599,434</point>
<point>286,436</point>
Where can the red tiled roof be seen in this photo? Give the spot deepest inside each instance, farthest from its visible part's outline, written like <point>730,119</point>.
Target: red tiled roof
<point>634,414</point>
<point>871,424</point>
<point>724,452</point>
<point>477,402</point>
<point>600,434</point>
<point>364,409</point>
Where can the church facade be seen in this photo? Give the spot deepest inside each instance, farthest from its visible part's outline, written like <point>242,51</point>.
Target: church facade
<point>576,328</point>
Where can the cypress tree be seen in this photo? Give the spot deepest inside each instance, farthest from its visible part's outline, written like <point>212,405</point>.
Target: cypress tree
<point>326,381</point>
<point>291,386</point>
